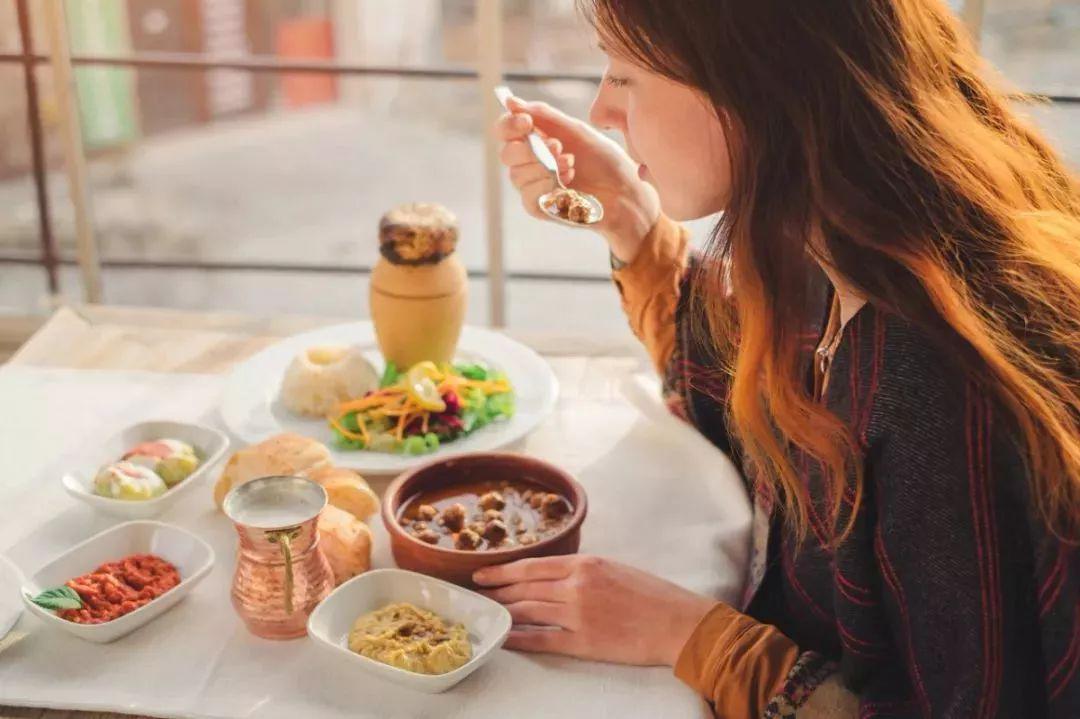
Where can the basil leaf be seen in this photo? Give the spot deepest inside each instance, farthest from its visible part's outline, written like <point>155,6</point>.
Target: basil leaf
<point>59,598</point>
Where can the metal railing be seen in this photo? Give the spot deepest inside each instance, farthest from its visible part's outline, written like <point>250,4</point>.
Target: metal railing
<point>488,73</point>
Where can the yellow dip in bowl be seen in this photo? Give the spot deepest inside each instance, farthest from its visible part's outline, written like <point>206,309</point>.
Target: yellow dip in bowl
<point>411,638</point>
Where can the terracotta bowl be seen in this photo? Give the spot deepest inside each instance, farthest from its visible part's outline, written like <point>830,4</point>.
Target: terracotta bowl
<point>455,565</point>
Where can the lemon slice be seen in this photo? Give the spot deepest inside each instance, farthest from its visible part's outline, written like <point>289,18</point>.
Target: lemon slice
<point>421,387</point>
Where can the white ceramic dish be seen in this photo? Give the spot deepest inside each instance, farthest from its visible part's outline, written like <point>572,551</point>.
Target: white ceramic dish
<point>192,556</point>
<point>81,467</point>
<point>251,409</point>
<point>486,621</point>
<point>10,607</point>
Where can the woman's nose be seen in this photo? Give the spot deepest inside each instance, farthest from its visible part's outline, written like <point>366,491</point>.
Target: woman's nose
<point>604,114</point>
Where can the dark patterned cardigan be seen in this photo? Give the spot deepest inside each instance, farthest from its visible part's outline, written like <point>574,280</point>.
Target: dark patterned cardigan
<point>950,598</point>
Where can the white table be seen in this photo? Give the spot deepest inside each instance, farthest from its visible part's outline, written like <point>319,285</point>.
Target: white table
<point>657,498</point>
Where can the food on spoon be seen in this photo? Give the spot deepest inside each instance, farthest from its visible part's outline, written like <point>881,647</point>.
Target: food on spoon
<point>172,460</point>
<point>128,481</point>
<point>320,378</point>
<point>283,454</point>
<point>346,542</point>
<point>112,590</point>
<point>411,638</point>
<point>417,411</point>
<point>466,517</point>
<point>570,205</point>
<point>347,490</point>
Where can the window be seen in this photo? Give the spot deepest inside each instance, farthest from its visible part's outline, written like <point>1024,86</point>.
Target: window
<point>240,186</point>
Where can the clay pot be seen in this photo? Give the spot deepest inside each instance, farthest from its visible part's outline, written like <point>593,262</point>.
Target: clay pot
<point>418,310</point>
<point>456,565</point>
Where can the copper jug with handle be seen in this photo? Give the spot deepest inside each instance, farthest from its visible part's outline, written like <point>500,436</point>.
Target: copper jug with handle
<point>281,573</point>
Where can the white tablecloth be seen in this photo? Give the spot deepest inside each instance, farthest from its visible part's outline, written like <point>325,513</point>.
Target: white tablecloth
<point>660,498</point>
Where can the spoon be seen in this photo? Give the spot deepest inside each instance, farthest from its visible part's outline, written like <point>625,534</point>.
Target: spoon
<point>543,154</point>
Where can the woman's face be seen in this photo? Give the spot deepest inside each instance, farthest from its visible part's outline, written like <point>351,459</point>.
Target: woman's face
<point>672,131</point>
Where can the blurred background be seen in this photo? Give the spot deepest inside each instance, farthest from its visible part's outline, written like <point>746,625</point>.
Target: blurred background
<point>257,189</point>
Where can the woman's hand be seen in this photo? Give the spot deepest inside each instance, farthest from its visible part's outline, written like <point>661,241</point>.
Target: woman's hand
<point>594,608</point>
<point>589,162</point>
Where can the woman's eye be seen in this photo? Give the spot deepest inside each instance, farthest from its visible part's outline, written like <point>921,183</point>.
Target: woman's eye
<point>614,81</point>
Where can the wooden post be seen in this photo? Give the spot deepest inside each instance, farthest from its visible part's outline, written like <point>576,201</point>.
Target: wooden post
<point>74,155</point>
<point>489,27</point>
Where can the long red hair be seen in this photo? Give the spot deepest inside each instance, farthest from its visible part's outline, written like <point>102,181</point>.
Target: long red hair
<point>871,125</point>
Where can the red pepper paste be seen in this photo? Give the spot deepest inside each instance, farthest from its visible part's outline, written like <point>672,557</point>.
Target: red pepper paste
<point>116,588</point>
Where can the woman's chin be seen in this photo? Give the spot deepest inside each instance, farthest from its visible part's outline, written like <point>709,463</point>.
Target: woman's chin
<point>681,211</point>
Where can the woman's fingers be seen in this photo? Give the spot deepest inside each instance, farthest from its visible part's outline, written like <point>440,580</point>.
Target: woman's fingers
<point>518,152</point>
<point>525,175</point>
<point>513,126</point>
<point>550,641</point>
<point>546,591</point>
<point>525,570</point>
<point>551,614</point>
<point>547,120</point>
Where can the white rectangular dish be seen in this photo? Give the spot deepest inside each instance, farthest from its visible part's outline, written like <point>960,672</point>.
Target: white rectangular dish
<point>486,621</point>
<point>81,466</point>
<point>192,557</point>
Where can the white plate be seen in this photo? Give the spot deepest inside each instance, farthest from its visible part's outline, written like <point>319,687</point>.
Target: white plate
<point>252,411</point>
<point>83,465</point>
<point>486,621</point>
<point>10,608</point>
<point>192,556</point>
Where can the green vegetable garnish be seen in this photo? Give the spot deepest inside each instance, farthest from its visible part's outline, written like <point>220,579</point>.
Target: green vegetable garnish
<point>414,445</point>
<point>472,371</point>
<point>485,397</point>
<point>59,598</point>
<point>390,375</point>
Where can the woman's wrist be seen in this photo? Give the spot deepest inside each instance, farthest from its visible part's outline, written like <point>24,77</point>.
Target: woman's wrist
<point>627,231</point>
<point>681,624</point>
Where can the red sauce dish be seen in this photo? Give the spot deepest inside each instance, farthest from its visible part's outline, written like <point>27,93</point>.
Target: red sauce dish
<point>117,588</point>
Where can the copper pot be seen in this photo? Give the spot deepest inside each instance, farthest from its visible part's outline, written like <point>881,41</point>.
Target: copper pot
<point>455,565</point>
<point>281,574</point>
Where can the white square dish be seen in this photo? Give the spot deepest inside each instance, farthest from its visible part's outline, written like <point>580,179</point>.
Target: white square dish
<point>192,557</point>
<point>83,465</point>
<point>487,622</point>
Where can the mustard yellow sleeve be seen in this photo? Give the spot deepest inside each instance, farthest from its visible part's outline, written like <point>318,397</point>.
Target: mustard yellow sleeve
<point>649,287</point>
<point>735,662</point>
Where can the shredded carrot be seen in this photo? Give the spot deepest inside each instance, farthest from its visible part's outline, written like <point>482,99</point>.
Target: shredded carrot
<point>346,433</point>
<point>396,403</point>
<point>391,412</point>
<point>363,428</point>
<point>360,404</point>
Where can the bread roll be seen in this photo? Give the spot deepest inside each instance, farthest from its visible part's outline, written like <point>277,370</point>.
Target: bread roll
<point>346,542</point>
<point>284,454</point>
<point>347,490</point>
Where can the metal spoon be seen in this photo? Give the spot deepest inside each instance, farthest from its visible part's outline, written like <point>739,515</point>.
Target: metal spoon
<point>543,154</point>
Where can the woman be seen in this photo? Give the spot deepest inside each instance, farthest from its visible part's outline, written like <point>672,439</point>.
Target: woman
<point>884,331</point>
